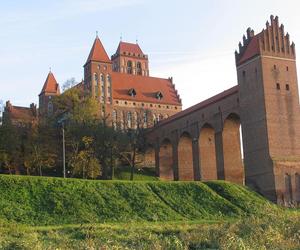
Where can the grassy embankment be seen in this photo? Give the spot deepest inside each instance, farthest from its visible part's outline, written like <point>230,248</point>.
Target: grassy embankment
<point>46,213</point>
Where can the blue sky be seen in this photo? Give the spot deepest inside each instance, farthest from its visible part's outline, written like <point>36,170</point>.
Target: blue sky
<point>193,41</point>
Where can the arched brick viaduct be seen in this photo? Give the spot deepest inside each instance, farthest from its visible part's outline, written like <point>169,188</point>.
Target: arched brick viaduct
<point>203,141</point>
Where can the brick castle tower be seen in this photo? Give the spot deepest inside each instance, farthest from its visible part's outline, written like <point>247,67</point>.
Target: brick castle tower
<point>270,114</point>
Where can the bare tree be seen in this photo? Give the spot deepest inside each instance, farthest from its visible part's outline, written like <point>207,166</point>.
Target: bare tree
<point>69,83</point>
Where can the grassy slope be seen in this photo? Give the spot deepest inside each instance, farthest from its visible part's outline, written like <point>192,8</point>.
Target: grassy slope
<point>54,201</point>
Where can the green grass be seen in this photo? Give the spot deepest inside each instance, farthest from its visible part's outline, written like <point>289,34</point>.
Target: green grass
<point>141,174</point>
<point>56,213</point>
<point>53,201</point>
<point>245,233</point>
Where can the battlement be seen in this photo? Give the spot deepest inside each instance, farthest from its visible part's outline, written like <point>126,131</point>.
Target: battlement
<point>271,41</point>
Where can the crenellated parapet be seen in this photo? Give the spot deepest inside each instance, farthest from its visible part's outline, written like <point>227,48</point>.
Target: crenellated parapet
<point>271,41</point>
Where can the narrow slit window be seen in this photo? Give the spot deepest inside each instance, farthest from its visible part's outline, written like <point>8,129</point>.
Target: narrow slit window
<point>278,86</point>
<point>287,87</point>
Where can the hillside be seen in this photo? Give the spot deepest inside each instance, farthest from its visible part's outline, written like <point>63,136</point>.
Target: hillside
<point>55,201</point>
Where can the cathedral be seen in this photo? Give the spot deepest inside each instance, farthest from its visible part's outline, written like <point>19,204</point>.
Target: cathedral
<point>121,84</point>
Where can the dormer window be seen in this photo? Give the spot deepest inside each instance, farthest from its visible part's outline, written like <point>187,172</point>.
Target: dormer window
<point>159,95</point>
<point>132,92</point>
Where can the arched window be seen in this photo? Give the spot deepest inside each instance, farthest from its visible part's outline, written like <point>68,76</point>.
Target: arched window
<point>114,115</point>
<point>114,119</point>
<point>108,82</point>
<point>139,68</point>
<point>288,188</point>
<point>135,119</point>
<point>145,119</point>
<point>129,120</point>
<point>129,67</point>
<point>96,85</point>
<point>154,119</point>
<point>50,108</point>
<point>121,114</point>
<point>102,83</point>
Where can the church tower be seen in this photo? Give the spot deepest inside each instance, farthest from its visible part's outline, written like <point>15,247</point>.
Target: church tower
<point>130,59</point>
<point>270,114</point>
<point>50,89</point>
<point>97,75</point>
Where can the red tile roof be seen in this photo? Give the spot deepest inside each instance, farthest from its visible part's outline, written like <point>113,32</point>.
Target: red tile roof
<point>146,89</point>
<point>98,52</point>
<point>22,114</point>
<point>201,105</point>
<point>50,85</point>
<point>129,47</point>
<point>252,49</point>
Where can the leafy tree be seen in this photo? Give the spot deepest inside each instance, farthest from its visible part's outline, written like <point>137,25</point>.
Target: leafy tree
<point>41,150</point>
<point>83,162</point>
<point>5,162</point>
<point>134,143</point>
<point>106,147</point>
<point>11,145</point>
<point>79,107</point>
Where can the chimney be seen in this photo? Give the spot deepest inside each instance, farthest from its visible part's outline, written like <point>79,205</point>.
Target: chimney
<point>8,106</point>
<point>33,109</point>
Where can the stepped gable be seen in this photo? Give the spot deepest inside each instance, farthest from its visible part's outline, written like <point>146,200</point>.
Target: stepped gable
<point>50,85</point>
<point>270,41</point>
<point>98,53</point>
<point>146,89</point>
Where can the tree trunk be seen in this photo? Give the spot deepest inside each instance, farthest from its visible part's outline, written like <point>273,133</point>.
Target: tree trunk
<point>132,166</point>
<point>40,168</point>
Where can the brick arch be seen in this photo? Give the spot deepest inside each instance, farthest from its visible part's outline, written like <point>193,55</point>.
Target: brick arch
<point>149,156</point>
<point>207,152</point>
<point>288,193</point>
<point>297,189</point>
<point>233,166</point>
<point>166,171</point>
<point>185,157</point>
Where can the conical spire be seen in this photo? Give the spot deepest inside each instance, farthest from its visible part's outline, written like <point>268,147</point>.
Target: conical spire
<point>98,52</point>
<point>50,85</point>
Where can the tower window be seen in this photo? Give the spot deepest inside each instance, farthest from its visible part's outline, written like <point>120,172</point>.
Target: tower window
<point>129,67</point>
<point>274,66</point>
<point>278,86</point>
<point>50,108</point>
<point>287,68</point>
<point>244,73</point>
<point>139,68</point>
<point>287,87</point>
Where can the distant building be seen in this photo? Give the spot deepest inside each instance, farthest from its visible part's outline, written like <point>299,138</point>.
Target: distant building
<point>122,86</point>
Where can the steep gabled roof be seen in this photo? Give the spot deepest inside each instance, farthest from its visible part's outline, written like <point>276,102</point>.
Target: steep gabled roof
<point>50,85</point>
<point>129,47</point>
<point>252,49</point>
<point>146,89</point>
<point>98,52</point>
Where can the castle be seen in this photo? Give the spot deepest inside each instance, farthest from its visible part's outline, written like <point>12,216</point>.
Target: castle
<point>203,141</point>
<point>122,86</point>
